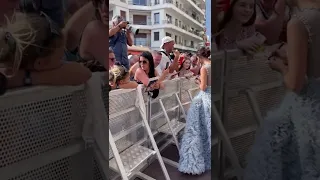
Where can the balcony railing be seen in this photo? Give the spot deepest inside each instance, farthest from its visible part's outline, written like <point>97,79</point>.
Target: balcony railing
<point>140,42</point>
<point>167,22</point>
<point>142,23</point>
<point>195,3</point>
<point>147,3</point>
<point>184,27</point>
<point>178,6</point>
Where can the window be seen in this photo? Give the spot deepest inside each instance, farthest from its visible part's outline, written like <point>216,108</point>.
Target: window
<point>141,39</point>
<point>176,22</point>
<point>176,38</point>
<point>168,34</point>
<point>179,23</point>
<point>156,36</point>
<point>191,44</point>
<point>123,14</point>
<point>156,2</point>
<point>139,19</point>
<point>169,19</point>
<point>156,18</point>
<point>139,2</point>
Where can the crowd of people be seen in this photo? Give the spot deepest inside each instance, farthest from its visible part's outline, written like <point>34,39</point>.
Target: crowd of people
<point>287,143</point>
<point>41,44</point>
<point>166,63</point>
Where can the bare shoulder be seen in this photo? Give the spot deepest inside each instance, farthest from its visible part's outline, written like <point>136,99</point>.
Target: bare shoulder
<point>92,26</point>
<point>203,70</point>
<point>297,28</point>
<point>296,23</point>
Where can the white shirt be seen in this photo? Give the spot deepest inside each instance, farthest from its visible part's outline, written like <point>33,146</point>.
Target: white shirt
<point>164,60</point>
<point>158,69</point>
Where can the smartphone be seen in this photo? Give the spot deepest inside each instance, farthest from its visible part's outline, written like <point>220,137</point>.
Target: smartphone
<point>151,82</point>
<point>167,65</point>
<point>260,37</point>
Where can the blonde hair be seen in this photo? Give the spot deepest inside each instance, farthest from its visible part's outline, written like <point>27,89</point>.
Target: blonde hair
<point>117,73</point>
<point>23,39</point>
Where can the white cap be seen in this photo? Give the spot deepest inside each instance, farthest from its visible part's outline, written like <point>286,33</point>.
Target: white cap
<point>166,40</point>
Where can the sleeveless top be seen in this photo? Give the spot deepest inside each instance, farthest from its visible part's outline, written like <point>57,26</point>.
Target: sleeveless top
<point>311,18</point>
<point>208,68</point>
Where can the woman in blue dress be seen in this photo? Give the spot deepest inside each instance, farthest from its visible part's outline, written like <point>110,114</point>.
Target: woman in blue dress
<point>195,151</point>
<point>287,147</point>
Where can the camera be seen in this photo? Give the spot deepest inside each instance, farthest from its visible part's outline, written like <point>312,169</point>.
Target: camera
<point>132,29</point>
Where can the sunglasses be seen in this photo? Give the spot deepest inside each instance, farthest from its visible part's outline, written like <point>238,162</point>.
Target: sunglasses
<point>112,59</point>
<point>143,62</point>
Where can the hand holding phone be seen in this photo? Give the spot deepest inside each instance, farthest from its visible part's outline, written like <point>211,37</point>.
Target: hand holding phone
<point>260,38</point>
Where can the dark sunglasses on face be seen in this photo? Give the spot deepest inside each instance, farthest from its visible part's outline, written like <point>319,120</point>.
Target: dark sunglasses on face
<point>143,62</point>
<point>112,59</point>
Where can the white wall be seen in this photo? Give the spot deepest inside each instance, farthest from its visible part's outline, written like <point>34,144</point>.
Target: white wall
<point>156,44</point>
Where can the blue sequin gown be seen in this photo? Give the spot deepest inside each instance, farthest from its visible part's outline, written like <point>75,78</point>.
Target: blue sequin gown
<point>195,150</point>
<point>287,146</point>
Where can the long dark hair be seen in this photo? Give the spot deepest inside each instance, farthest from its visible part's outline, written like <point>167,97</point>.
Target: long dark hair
<point>97,4</point>
<point>184,62</point>
<point>228,16</point>
<point>148,55</point>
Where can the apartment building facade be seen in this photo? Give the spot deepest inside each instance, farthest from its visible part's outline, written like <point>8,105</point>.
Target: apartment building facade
<point>183,20</point>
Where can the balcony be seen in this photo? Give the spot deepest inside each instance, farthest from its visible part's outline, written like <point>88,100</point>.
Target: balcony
<point>142,42</point>
<point>178,8</point>
<point>121,3</point>
<point>186,28</point>
<point>139,2</point>
<point>147,23</point>
<point>196,6</point>
<point>174,6</point>
<point>183,29</point>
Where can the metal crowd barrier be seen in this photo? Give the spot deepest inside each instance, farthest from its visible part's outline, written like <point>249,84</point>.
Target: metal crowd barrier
<point>250,90</point>
<point>41,135</point>
<point>61,133</point>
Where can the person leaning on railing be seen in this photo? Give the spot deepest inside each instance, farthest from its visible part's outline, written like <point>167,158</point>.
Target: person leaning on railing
<point>147,70</point>
<point>32,49</point>
<point>119,78</point>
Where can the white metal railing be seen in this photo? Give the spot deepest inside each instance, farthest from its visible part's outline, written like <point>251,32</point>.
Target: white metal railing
<point>250,88</point>
<point>43,128</point>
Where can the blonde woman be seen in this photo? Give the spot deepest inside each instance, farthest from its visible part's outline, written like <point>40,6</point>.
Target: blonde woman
<point>119,78</point>
<point>32,48</point>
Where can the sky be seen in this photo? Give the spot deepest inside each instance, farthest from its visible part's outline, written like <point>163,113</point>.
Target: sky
<point>208,18</point>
